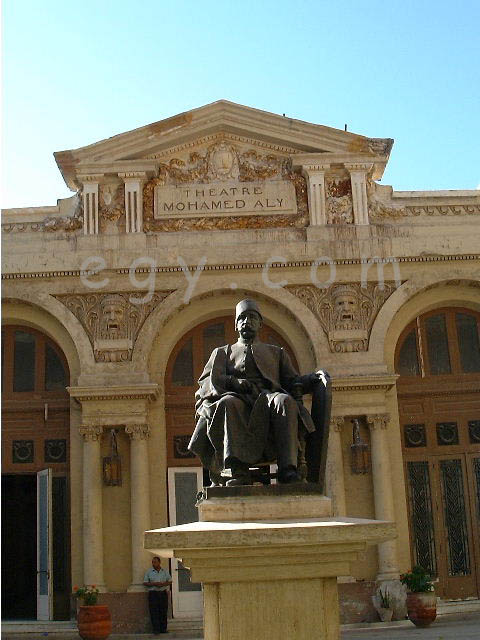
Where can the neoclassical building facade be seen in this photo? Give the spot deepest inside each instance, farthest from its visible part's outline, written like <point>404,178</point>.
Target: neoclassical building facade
<point>114,298</point>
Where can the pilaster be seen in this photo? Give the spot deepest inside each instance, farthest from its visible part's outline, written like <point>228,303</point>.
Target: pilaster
<point>139,501</point>
<point>315,175</point>
<point>90,202</point>
<point>92,506</point>
<point>358,177</point>
<point>383,492</point>
<point>134,182</point>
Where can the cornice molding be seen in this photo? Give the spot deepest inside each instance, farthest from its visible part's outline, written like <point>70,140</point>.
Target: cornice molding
<point>147,391</point>
<point>243,266</point>
<point>364,383</point>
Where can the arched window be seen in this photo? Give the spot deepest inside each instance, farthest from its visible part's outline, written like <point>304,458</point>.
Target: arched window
<point>31,363</point>
<point>439,343</point>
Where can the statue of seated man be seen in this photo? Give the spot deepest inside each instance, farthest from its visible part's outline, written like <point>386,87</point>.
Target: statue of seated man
<point>245,409</point>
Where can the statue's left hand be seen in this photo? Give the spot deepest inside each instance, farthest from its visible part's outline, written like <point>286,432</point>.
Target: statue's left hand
<point>319,376</point>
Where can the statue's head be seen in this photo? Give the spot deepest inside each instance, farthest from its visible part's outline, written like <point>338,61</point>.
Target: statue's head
<point>248,318</point>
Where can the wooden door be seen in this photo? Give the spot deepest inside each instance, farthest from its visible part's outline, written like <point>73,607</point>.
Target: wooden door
<point>438,359</point>
<point>184,367</point>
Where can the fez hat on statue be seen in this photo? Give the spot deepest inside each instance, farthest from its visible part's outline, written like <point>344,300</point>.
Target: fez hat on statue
<point>246,305</point>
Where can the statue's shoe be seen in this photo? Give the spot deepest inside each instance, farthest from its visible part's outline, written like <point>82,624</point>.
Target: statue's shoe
<point>288,476</point>
<point>239,481</point>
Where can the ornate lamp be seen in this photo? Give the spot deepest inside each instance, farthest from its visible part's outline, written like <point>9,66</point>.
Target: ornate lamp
<point>359,451</point>
<point>112,465</point>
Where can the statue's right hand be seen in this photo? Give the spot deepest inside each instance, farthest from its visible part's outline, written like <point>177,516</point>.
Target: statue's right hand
<point>241,385</point>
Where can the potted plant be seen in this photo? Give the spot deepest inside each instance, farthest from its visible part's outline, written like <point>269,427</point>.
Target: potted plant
<point>93,620</point>
<point>421,598</point>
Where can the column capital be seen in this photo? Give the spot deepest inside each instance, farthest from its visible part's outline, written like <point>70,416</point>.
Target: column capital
<point>310,169</point>
<point>90,177</point>
<point>138,431</point>
<point>378,421</point>
<point>133,175</point>
<point>360,167</point>
<point>337,423</point>
<point>90,433</point>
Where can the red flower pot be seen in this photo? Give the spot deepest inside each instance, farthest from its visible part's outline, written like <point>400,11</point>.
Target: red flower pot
<point>94,622</point>
<point>422,608</point>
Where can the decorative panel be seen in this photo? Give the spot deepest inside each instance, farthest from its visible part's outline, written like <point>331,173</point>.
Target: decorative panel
<point>415,435</point>
<point>55,450</point>
<point>476,475</point>
<point>180,444</point>
<point>455,518</point>
<point>447,433</point>
<point>22,451</point>
<point>474,431</point>
<point>420,502</point>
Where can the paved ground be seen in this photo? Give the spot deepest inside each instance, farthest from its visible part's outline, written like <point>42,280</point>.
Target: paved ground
<point>452,627</point>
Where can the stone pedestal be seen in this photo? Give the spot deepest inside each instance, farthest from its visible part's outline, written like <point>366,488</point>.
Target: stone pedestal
<point>266,576</point>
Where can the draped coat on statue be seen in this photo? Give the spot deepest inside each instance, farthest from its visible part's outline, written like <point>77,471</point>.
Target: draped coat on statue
<point>279,376</point>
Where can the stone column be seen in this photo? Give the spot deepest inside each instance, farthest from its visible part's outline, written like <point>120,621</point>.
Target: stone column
<point>315,175</point>
<point>134,182</point>
<point>139,501</point>
<point>337,475</point>
<point>92,507</point>
<point>90,203</point>
<point>336,466</point>
<point>383,493</point>
<point>358,177</point>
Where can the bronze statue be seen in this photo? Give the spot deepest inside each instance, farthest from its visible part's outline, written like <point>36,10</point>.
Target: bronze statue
<point>249,410</point>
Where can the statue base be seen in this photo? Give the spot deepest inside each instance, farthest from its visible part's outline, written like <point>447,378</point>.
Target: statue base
<point>268,572</point>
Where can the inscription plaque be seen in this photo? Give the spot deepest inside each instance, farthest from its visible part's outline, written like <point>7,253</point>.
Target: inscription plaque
<point>220,198</point>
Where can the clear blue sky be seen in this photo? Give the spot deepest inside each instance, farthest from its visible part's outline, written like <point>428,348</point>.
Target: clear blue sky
<point>79,72</point>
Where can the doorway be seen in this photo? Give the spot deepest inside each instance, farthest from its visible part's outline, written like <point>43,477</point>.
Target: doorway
<point>438,359</point>
<point>35,437</point>
<point>19,547</point>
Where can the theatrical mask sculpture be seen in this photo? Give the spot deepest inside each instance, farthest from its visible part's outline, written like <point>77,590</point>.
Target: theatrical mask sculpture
<point>249,410</point>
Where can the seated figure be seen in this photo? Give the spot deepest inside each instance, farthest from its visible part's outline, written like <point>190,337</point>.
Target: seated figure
<point>249,409</point>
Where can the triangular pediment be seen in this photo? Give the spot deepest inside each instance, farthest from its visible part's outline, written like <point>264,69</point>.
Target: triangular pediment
<point>144,148</point>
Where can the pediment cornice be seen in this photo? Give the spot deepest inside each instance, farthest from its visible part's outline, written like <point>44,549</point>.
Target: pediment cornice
<point>139,149</point>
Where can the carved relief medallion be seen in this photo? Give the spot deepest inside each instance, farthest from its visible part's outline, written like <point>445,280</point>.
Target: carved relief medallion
<point>111,321</point>
<point>346,312</point>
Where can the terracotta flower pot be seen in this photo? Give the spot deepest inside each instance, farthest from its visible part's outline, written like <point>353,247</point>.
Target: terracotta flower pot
<point>94,622</point>
<point>422,608</point>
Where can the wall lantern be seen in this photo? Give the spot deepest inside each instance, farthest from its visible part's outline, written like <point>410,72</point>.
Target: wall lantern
<point>112,465</point>
<point>359,451</point>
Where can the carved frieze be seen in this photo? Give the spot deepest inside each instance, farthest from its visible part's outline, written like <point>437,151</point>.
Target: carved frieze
<point>112,320</point>
<point>225,163</point>
<point>379,210</point>
<point>339,200</point>
<point>346,312</point>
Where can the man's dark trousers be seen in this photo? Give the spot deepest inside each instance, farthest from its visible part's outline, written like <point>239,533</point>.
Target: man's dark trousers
<point>158,604</point>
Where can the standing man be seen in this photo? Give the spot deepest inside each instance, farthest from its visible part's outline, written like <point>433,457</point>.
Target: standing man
<point>157,581</point>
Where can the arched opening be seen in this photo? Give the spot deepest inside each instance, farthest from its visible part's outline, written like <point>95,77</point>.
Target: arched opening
<point>438,361</point>
<point>35,437</point>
